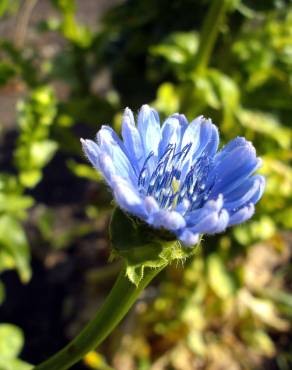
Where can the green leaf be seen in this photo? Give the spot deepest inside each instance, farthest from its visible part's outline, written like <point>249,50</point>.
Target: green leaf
<point>11,341</point>
<point>42,152</point>
<point>14,244</point>
<point>14,364</point>
<point>219,278</point>
<point>7,70</point>
<point>84,171</point>
<point>167,99</point>
<point>30,178</point>
<point>259,340</point>
<point>266,124</point>
<point>179,48</point>
<point>12,200</point>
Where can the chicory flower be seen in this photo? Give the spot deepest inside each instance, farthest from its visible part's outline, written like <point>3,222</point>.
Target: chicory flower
<point>173,176</point>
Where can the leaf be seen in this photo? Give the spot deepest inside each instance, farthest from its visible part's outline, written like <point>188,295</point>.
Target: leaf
<point>42,152</point>
<point>29,178</point>
<point>167,98</point>
<point>219,278</point>
<point>12,201</point>
<point>84,171</point>
<point>264,309</point>
<point>266,124</point>
<point>11,341</point>
<point>14,243</point>
<point>14,364</point>
<point>179,48</point>
<point>259,340</point>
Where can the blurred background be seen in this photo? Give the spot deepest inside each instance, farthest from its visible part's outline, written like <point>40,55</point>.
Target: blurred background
<point>66,67</point>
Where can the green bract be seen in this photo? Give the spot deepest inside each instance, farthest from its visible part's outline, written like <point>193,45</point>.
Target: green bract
<point>143,247</point>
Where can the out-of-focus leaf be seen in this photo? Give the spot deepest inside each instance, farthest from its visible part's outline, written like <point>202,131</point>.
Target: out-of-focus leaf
<point>30,178</point>
<point>260,341</point>
<point>42,152</point>
<point>219,278</point>
<point>179,48</point>
<point>34,148</point>
<point>194,316</point>
<point>195,341</point>
<point>262,229</point>
<point>7,70</point>
<point>37,155</point>
<point>11,341</point>
<point>284,217</point>
<point>14,364</point>
<point>266,124</point>
<point>12,200</point>
<point>78,34</point>
<point>84,170</point>
<point>13,241</point>
<point>277,296</point>
<point>264,309</point>
<point>279,182</point>
<point>167,99</point>
<point>8,6</point>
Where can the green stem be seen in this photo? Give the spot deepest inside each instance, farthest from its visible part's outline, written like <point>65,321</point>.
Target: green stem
<point>121,298</point>
<point>209,32</point>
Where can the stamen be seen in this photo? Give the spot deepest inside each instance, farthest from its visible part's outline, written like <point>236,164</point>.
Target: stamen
<point>165,183</point>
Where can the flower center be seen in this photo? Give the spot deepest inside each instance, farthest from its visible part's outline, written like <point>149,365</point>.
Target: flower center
<point>175,177</point>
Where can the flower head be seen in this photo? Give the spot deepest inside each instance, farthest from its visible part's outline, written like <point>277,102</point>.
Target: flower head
<point>174,177</point>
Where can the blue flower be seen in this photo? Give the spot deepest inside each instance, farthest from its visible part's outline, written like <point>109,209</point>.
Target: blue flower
<point>174,177</point>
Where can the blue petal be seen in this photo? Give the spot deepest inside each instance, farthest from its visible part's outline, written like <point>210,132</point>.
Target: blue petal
<point>171,134</point>
<point>250,191</point>
<point>209,139</point>
<point>223,221</point>
<point>182,119</point>
<point>149,129</point>
<point>194,217</point>
<point>170,220</point>
<point>110,143</point>
<point>192,134</point>
<point>242,215</point>
<point>206,224</point>
<point>257,195</point>
<point>107,167</point>
<point>183,206</point>
<point>229,147</point>
<point>234,168</point>
<point>91,151</point>
<point>151,205</point>
<point>132,140</point>
<point>188,238</point>
<point>213,143</point>
<point>128,199</point>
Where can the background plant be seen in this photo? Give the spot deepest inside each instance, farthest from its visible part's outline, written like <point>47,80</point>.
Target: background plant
<point>236,292</point>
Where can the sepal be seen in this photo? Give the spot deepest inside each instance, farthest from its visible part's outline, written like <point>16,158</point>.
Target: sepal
<point>142,246</point>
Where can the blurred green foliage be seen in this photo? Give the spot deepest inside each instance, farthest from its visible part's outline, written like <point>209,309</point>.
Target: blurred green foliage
<point>231,306</point>
<point>11,343</point>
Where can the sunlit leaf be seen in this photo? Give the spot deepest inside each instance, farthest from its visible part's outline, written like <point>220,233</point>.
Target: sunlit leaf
<point>219,278</point>
<point>11,341</point>
<point>13,241</point>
